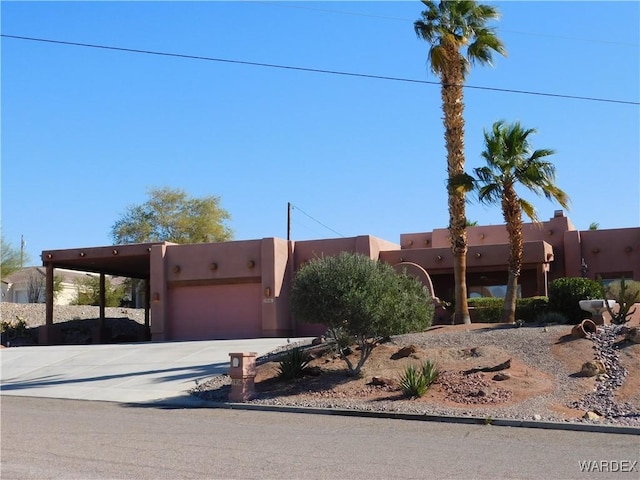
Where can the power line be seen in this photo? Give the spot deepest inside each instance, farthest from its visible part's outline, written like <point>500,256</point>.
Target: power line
<point>315,220</point>
<point>314,70</point>
<point>399,19</point>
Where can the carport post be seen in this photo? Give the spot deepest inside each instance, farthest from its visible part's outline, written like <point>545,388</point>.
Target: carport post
<point>243,373</point>
<point>45,333</point>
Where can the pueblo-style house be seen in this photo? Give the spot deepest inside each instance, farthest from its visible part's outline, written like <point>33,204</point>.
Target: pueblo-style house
<point>240,289</point>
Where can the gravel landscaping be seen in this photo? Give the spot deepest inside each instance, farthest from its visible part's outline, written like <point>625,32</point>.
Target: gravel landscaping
<point>532,345</point>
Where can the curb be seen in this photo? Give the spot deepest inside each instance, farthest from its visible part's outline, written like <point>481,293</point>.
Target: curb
<point>498,422</point>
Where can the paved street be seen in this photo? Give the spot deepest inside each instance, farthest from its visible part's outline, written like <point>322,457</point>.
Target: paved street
<point>68,439</point>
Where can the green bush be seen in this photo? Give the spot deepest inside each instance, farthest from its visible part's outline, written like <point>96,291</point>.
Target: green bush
<point>565,293</point>
<point>414,382</point>
<point>529,309</point>
<point>365,299</point>
<point>293,364</point>
<point>489,309</point>
<point>486,309</point>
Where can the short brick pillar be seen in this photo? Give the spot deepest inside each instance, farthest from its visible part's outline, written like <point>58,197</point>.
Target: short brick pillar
<point>242,370</point>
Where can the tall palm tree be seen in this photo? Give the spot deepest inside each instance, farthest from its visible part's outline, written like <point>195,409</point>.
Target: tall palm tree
<point>511,162</point>
<point>451,27</point>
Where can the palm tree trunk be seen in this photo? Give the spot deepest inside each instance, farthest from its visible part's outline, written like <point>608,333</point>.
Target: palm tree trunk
<point>453,108</point>
<point>513,217</point>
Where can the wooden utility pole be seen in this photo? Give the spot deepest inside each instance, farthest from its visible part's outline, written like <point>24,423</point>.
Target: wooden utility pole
<point>21,251</point>
<point>288,220</point>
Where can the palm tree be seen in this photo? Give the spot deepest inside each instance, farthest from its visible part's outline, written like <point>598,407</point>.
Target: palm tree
<point>450,27</point>
<point>511,162</point>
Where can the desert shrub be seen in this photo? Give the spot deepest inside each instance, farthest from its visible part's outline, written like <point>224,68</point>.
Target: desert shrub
<point>430,372</point>
<point>15,329</point>
<point>365,299</point>
<point>88,292</point>
<point>293,364</point>
<point>625,293</point>
<point>565,293</point>
<point>414,382</point>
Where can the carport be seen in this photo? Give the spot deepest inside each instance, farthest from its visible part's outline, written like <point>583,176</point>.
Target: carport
<point>131,261</point>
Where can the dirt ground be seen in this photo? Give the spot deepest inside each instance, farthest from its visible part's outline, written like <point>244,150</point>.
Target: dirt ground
<point>454,388</point>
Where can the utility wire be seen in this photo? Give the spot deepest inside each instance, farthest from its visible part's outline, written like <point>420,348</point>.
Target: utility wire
<point>314,70</point>
<point>399,19</point>
<point>315,220</point>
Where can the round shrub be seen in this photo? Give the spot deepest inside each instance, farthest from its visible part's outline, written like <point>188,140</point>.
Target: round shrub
<point>353,295</point>
<point>565,293</point>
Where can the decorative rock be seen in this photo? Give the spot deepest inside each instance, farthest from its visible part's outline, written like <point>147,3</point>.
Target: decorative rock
<point>592,368</point>
<point>318,341</point>
<point>382,382</point>
<point>404,352</point>
<point>537,417</point>
<point>591,416</point>
<point>499,377</point>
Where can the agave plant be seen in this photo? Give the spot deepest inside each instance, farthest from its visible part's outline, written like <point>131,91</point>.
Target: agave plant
<point>293,364</point>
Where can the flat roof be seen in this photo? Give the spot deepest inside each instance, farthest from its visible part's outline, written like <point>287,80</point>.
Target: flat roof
<point>117,260</point>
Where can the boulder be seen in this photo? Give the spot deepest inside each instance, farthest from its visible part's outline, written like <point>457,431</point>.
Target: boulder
<point>404,352</point>
<point>502,376</point>
<point>591,416</point>
<point>382,382</point>
<point>592,368</point>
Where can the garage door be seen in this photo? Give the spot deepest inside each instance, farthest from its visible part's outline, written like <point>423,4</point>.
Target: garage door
<point>215,312</point>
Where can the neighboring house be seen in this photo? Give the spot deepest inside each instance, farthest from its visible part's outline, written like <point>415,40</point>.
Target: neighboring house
<point>28,285</point>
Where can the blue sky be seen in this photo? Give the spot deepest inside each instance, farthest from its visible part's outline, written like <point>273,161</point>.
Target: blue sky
<point>86,131</point>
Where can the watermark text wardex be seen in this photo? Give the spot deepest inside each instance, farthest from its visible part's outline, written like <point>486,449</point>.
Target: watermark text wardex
<point>606,466</point>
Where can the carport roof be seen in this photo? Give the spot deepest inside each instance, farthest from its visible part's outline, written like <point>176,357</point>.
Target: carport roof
<point>118,260</point>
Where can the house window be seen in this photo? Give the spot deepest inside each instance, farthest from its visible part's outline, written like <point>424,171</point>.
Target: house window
<point>609,277</point>
<point>497,291</point>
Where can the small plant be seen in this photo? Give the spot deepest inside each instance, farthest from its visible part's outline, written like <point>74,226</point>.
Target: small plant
<point>519,323</point>
<point>17,328</point>
<point>293,364</point>
<point>430,372</point>
<point>414,382</point>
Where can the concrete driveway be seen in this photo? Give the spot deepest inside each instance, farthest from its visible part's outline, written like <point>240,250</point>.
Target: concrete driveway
<point>160,372</point>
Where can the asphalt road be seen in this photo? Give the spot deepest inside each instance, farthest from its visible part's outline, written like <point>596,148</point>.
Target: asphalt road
<point>70,439</point>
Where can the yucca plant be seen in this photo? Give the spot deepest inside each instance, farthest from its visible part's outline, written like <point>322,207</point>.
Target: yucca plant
<point>293,364</point>
<point>412,382</point>
<point>430,372</point>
